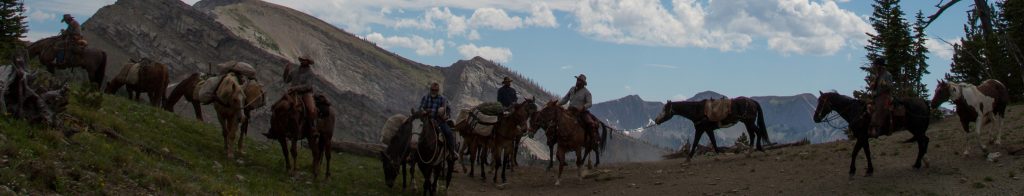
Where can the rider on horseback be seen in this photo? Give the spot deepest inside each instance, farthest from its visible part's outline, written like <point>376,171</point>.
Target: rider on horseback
<point>70,37</point>
<point>880,87</point>
<point>579,100</point>
<point>436,107</point>
<point>506,94</point>
<point>300,86</point>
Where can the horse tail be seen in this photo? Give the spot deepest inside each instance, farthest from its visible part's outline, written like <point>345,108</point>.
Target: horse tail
<point>164,81</point>
<point>604,136</point>
<point>761,128</point>
<point>101,70</point>
<point>1002,100</point>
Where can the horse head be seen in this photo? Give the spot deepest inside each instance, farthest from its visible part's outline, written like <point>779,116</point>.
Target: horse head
<point>824,106</point>
<point>942,94</point>
<point>545,117</point>
<point>667,112</point>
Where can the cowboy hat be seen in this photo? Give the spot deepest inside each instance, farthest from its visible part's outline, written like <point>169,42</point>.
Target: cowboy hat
<point>506,80</point>
<point>581,77</point>
<point>305,58</point>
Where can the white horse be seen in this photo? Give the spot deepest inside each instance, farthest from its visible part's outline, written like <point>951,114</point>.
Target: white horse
<point>984,104</point>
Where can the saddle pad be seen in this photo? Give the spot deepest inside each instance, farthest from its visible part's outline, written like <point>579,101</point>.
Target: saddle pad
<point>717,109</point>
<point>206,90</point>
<point>130,73</point>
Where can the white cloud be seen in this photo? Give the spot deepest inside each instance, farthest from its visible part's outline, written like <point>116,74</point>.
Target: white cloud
<point>496,54</point>
<point>495,19</point>
<point>541,16</point>
<point>473,35</point>
<point>40,16</point>
<point>940,49</point>
<point>422,46</point>
<point>786,26</point>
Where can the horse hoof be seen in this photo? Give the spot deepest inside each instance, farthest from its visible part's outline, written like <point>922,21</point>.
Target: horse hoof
<point>558,182</point>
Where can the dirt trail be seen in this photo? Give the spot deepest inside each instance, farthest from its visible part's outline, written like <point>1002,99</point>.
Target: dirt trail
<point>806,170</point>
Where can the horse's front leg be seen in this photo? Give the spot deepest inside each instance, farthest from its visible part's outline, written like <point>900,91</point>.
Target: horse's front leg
<point>714,143</point>
<point>551,155</point>
<point>978,126</point>
<point>965,124</point>
<point>579,164</point>
<point>861,141</point>
<point>693,146</point>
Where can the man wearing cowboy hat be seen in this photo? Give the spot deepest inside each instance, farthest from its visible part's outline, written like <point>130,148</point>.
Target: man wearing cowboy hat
<point>71,36</point>
<point>436,107</point>
<point>579,101</point>
<point>300,85</point>
<point>506,94</point>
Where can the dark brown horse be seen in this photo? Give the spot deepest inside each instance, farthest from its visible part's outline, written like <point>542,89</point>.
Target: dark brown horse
<point>568,134</point>
<point>431,155</point>
<point>737,110</point>
<point>982,104</point>
<point>398,154</point>
<point>506,134</point>
<point>855,113</point>
<point>552,140</point>
<point>152,80</point>
<point>94,61</point>
<point>254,99</point>
<point>185,89</point>
<point>289,124</point>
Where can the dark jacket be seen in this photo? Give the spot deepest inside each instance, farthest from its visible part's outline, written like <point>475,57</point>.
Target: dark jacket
<point>507,96</point>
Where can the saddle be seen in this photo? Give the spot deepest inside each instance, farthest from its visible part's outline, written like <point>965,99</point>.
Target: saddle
<point>717,109</point>
<point>482,124</point>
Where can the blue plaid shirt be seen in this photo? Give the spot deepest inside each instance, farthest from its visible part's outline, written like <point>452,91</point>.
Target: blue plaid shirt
<point>432,104</point>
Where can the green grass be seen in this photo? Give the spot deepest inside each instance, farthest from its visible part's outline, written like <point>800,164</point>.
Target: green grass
<point>161,153</point>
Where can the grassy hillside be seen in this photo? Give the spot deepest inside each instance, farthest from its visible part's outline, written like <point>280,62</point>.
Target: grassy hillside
<point>127,147</point>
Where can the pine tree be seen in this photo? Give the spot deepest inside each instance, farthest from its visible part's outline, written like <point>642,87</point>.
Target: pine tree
<point>901,51</point>
<point>12,25</point>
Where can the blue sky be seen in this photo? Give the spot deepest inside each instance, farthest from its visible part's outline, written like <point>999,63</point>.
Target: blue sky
<point>668,49</point>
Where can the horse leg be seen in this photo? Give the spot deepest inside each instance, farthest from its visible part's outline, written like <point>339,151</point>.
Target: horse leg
<point>999,128</point>
<point>861,141</point>
<point>244,132</point>
<point>506,162</point>
<point>967,136</point>
<point>403,174</point>
<point>551,156</point>
<point>199,111</point>
<point>714,143</point>
<point>284,150</point>
<point>978,126</point>
<point>295,153</point>
<point>314,146</point>
<point>922,148</point>
<point>561,166</point>
<point>693,146</point>
<point>495,158</point>
<point>867,153</point>
<point>579,164</point>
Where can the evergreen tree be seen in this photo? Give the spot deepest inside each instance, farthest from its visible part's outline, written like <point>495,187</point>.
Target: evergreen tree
<point>903,53</point>
<point>12,26</point>
<point>967,66</point>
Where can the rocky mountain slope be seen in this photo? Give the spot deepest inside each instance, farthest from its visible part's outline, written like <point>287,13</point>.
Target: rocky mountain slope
<point>366,82</point>
<point>788,119</point>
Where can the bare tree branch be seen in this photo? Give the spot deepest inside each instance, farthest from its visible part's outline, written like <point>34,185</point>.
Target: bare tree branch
<point>942,8</point>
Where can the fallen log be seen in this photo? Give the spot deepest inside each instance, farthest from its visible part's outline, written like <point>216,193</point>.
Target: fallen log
<point>358,148</point>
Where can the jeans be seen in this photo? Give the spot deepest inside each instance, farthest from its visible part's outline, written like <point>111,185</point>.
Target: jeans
<point>447,132</point>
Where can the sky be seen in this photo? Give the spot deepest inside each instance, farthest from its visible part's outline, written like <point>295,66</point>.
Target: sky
<point>660,50</point>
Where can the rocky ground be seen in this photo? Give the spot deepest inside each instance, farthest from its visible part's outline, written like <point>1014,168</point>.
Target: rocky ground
<point>805,170</point>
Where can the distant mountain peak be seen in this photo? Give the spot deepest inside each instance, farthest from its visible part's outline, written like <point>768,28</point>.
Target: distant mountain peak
<point>706,95</point>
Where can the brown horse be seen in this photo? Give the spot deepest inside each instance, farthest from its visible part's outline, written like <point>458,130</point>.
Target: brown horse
<point>289,124</point>
<point>729,112</point>
<point>320,139</point>
<point>229,103</point>
<point>983,104</point>
<point>568,134</point>
<point>94,61</point>
<point>398,135</point>
<point>186,88</point>
<point>506,134</point>
<point>431,155</point>
<point>475,129</point>
<point>152,80</point>
<point>254,99</point>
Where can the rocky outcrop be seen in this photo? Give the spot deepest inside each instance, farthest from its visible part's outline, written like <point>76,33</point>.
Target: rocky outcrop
<point>365,82</point>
